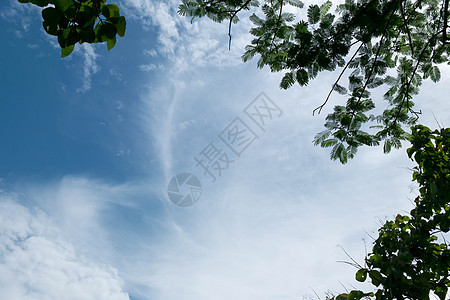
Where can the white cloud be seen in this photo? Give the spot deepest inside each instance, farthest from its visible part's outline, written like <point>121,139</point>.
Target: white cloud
<point>151,52</point>
<point>21,14</point>
<point>268,228</point>
<point>186,45</point>
<point>37,262</point>
<point>150,67</point>
<point>90,66</point>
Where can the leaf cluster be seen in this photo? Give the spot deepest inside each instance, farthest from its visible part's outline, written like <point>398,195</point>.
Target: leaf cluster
<point>81,21</point>
<point>408,261</point>
<point>391,43</point>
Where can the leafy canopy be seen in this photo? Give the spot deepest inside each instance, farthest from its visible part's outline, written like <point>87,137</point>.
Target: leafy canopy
<point>408,260</point>
<point>391,43</point>
<point>81,21</point>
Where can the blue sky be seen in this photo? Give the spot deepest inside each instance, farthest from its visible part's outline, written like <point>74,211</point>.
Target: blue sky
<point>90,142</point>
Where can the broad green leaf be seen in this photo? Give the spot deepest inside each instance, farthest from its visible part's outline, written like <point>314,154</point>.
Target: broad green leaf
<point>111,43</point>
<point>376,277</point>
<point>361,275</point>
<point>62,5</point>
<point>67,50</point>
<point>52,30</point>
<point>41,3</point>
<point>62,37</point>
<point>86,36</point>
<point>71,12</point>
<point>110,11</point>
<point>121,26</point>
<point>105,31</point>
<point>72,37</point>
<point>51,16</point>
<point>355,295</point>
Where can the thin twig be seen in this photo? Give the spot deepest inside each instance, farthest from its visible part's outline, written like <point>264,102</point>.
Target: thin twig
<point>319,108</point>
<point>356,263</point>
<point>278,24</point>
<point>444,31</point>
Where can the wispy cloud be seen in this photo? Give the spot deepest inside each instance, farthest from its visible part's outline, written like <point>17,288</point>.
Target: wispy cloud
<point>150,67</point>
<point>90,65</point>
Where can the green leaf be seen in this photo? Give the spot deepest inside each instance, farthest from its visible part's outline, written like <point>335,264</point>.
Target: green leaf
<point>72,37</point>
<point>376,277</point>
<point>40,3</point>
<point>111,43</point>
<point>110,11</point>
<point>86,36</point>
<point>295,3</point>
<point>355,295</point>
<point>50,29</point>
<point>321,137</point>
<point>328,143</point>
<point>340,89</point>
<point>67,50</point>
<point>342,297</point>
<point>339,152</point>
<point>62,37</point>
<point>324,8</point>
<point>62,5</point>
<point>435,74</point>
<point>387,146</point>
<point>287,81</point>
<point>105,31</point>
<point>51,16</point>
<point>302,77</point>
<point>121,26</point>
<point>71,12</point>
<point>313,14</point>
<point>82,18</point>
<point>361,275</point>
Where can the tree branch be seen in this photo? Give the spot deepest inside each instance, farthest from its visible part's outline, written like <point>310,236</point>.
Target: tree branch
<point>278,24</point>
<point>407,29</point>
<point>319,108</point>
<point>231,20</point>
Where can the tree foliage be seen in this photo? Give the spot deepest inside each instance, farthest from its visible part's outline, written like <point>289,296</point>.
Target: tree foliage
<point>391,43</point>
<point>81,21</point>
<point>411,258</point>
